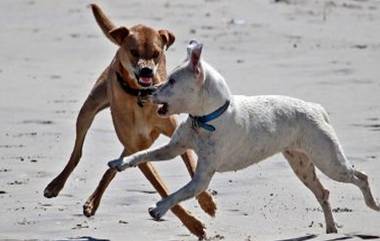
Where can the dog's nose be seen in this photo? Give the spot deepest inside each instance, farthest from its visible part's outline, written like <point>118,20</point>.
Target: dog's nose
<point>146,72</point>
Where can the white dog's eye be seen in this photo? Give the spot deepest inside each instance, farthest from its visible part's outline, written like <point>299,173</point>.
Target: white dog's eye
<point>171,81</point>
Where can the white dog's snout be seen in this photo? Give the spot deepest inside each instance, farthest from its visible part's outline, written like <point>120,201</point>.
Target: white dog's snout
<point>156,96</point>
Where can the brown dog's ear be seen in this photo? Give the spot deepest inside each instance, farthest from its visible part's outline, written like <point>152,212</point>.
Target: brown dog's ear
<point>119,34</point>
<point>167,37</point>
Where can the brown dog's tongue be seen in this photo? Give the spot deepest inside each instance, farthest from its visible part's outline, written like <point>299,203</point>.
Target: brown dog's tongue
<point>146,80</point>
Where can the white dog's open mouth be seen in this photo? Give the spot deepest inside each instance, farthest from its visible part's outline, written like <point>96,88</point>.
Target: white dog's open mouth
<point>163,109</point>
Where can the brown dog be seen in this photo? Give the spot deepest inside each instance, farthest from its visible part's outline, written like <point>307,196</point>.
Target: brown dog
<point>138,65</point>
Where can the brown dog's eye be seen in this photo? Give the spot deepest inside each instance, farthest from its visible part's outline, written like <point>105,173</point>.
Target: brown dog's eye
<point>135,53</point>
<point>156,54</point>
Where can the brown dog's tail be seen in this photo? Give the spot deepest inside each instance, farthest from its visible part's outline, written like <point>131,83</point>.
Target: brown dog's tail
<point>103,21</point>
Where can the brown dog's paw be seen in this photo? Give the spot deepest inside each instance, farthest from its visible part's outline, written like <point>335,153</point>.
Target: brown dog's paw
<point>90,207</point>
<point>195,226</point>
<point>207,203</point>
<point>331,229</point>
<point>53,188</point>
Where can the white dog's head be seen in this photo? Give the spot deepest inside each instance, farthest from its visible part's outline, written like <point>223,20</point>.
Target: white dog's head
<point>182,93</point>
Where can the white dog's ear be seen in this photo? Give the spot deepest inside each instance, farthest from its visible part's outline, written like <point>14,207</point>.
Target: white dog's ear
<point>194,51</point>
<point>190,47</point>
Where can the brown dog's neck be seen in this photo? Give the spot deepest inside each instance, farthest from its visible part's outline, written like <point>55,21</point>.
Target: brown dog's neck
<point>126,76</point>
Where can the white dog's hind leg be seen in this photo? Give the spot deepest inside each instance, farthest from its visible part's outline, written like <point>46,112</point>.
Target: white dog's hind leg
<point>305,171</point>
<point>327,154</point>
<point>361,180</point>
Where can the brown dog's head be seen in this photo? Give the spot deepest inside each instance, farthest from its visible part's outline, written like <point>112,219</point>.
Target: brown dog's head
<point>141,49</point>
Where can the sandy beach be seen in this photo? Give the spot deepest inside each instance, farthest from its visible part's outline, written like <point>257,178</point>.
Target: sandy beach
<point>324,51</point>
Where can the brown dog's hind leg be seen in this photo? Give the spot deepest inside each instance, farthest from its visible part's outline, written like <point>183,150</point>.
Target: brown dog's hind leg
<point>305,171</point>
<point>193,224</point>
<point>95,102</point>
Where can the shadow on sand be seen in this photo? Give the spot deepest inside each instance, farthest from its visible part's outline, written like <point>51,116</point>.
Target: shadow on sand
<point>344,237</point>
<point>83,238</point>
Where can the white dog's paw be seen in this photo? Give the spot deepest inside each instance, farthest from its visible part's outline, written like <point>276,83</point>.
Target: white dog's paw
<point>132,162</point>
<point>116,164</point>
<point>123,163</point>
<point>119,164</point>
<point>156,213</point>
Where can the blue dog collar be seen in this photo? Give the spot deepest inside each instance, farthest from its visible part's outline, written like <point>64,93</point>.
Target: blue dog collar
<point>201,121</point>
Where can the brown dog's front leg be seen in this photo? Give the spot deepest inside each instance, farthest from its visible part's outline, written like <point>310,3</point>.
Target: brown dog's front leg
<point>94,103</point>
<point>92,203</point>
<point>193,224</point>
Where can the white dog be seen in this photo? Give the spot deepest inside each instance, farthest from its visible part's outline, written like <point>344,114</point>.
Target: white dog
<point>230,132</point>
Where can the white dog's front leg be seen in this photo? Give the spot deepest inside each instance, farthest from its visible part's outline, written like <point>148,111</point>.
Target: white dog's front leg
<point>166,152</point>
<point>198,184</point>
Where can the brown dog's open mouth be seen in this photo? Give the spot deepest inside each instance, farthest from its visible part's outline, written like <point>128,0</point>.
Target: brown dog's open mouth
<point>163,109</point>
<point>145,81</point>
